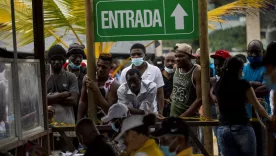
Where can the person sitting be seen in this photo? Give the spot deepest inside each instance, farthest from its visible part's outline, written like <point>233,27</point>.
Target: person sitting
<point>115,116</point>
<point>137,94</point>
<point>135,134</point>
<point>90,138</point>
<point>173,135</point>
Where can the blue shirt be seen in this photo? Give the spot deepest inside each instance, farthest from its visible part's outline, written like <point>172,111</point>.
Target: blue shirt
<point>212,67</point>
<point>257,75</point>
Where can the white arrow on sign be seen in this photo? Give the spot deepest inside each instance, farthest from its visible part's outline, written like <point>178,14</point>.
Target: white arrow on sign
<point>179,13</point>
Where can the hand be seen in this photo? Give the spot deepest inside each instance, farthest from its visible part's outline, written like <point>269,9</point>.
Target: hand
<point>160,117</point>
<point>65,94</point>
<point>136,144</point>
<point>91,84</point>
<point>214,98</point>
<point>167,102</point>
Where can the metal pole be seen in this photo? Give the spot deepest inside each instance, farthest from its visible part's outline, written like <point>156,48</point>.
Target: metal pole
<point>91,60</point>
<point>205,72</point>
<point>16,92</point>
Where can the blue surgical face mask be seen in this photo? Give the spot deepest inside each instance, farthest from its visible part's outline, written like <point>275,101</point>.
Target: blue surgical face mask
<point>166,151</point>
<point>252,59</point>
<point>114,127</point>
<point>137,61</point>
<point>73,66</point>
<point>269,83</point>
<point>169,70</point>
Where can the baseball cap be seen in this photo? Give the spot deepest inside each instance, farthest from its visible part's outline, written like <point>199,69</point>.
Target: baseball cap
<point>186,48</point>
<point>130,123</point>
<point>221,54</point>
<point>172,126</point>
<point>116,111</point>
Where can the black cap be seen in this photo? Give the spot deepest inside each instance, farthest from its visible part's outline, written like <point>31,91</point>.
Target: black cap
<point>172,126</point>
<point>56,50</point>
<point>270,55</point>
<point>76,48</point>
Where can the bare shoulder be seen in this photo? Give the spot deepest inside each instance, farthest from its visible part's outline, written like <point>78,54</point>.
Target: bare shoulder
<point>198,68</point>
<point>197,71</point>
<point>115,84</point>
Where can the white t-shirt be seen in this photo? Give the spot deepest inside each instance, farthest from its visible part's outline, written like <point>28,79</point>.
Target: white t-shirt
<point>271,100</point>
<point>152,73</point>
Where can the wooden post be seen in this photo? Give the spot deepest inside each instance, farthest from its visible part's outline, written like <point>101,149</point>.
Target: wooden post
<point>39,49</point>
<point>91,60</point>
<point>205,72</point>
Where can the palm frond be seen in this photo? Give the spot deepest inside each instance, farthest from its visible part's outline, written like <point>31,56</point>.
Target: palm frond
<point>237,7</point>
<point>57,13</point>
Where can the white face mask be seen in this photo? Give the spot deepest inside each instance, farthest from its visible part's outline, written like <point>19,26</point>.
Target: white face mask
<point>169,70</point>
<point>137,61</point>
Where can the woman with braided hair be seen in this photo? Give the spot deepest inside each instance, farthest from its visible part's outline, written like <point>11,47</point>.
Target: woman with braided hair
<point>235,135</point>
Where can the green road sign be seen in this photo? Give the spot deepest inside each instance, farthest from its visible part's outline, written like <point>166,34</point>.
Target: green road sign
<point>127,20</point>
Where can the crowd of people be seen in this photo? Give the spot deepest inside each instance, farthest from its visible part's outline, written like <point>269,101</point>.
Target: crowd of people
<point>166,91</point>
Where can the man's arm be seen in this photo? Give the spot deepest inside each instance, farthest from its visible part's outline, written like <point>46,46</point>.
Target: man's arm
<point>160,92</point>
<point>83,101</point>
<point>213,82</point>
<point>98,97</point>
<point>261,90</point>
<point>147,104</point>
<point>255,84</point>
<point>122,99</point>
<point>72,100</point>
<point>112,95</point>
<point>160,100</point>
<point>198,102</point>
<point>55,98</point>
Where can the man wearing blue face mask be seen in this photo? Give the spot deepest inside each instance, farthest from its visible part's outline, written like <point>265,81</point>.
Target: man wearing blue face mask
<point>75,55</point>
<point>75,65</point>
<point>254,73</point>
<point>148,72</point>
